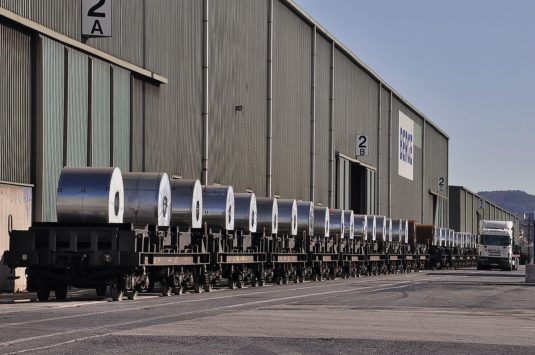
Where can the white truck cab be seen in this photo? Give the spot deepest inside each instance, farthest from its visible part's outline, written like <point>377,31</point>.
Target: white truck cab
<point>495,249</point>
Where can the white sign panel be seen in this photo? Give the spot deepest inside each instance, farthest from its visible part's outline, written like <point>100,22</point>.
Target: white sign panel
<point>96,18</point>
<point>361,145</point>
<point>441,184</point>
<point>406,146</point>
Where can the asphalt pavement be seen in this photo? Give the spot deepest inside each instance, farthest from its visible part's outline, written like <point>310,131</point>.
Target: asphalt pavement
<point>439,312</point>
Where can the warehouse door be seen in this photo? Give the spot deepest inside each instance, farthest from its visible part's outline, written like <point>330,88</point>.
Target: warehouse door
<point>355,187</point>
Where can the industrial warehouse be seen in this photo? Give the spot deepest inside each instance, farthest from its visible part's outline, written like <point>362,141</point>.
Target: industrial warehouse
<point>242,182</point>
<point>255,95</point>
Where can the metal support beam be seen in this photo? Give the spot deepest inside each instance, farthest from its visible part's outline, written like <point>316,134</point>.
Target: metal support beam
<point>379,171</point>
<point>205,104</point>
<point>313,117</point>
<point>331,129</point>
<point>390,157</point>
<point>423,176</point>
<point>269,103</point>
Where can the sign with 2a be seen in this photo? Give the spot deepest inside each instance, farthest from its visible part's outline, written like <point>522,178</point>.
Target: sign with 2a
<point>96,18</point>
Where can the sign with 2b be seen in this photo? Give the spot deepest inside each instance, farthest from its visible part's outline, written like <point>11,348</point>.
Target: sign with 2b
<point>96,18</point>
<point>361,145</point>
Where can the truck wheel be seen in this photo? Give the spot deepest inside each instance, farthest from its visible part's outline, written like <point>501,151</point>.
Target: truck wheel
<point>101,291</point>
<point>132,295</point>
<point>61,292</point>
<point>116,293</point>
<point>43,293</point>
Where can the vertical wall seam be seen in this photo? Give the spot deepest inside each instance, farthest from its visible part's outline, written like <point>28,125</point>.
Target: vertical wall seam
<point>131,133</point>
<point>111,116</point>
<point>89,111</point>
<point>390,156</point>
<point>313,117</point>
<point>269,103</point>
<point>35,60</point>
<point>331,128</point>
<point>205,93</point>
<point>423,174</point>
<point>378,187</point>
<point>143,92</point>
<point>65,103</point>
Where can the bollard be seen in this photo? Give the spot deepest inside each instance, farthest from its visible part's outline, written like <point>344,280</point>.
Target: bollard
<point>530,273</point>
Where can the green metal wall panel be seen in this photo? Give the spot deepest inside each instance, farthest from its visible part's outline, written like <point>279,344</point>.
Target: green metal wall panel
<point>238,78</point>
<point>121,118</point>
<point>52,124</point>
<point>100,113</point>
<point>323,78</point>
<point>292,53</point>
<point>77,108</point>
<point>356,110</point>
<point>172,112</point>
<point>15,106</point>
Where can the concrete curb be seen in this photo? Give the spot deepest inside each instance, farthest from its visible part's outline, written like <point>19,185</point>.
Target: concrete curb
<point>530,273</point>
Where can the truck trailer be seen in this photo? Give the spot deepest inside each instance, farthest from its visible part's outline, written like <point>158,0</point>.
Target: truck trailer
<point>496,246</point>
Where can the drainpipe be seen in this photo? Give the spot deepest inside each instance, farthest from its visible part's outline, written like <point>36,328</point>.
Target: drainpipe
<point>378,187</point>
<point>204,174</point>
<point>390,156</point>
<point>313,118</point>
<point>269,141</point>
<point>331,139</point>
<point>423,171</point>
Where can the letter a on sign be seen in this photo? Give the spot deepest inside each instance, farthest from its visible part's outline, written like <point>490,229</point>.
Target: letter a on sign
<point>96,18</point>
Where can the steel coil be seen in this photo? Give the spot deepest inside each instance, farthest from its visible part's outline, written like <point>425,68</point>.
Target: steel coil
<point>349,222</point>
<point>147,199</point>
<point>371,231</point>
<point>336,223</point>
<point>90,195</point>
<point>361,226</point>
<point>245,212</point>
<point>218,207</point>
<point>321,222</point>
<point>305,218</point>
<point>186,203</point>
<point>268,215</point>
<point>287,216</point>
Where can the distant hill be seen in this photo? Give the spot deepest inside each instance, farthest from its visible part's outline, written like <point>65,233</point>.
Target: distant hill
<point>515,201</point>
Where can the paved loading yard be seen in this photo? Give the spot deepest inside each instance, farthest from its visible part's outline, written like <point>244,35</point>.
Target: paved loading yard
<point>464,311</point>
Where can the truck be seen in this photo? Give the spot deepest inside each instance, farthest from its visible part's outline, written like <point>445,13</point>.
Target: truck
<point>495,249</point>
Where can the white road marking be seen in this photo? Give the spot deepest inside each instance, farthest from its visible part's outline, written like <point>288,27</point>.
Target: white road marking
<point>287,298</point>
<point>144,307</point>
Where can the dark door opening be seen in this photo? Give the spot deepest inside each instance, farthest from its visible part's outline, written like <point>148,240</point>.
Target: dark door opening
<point>355,187</point>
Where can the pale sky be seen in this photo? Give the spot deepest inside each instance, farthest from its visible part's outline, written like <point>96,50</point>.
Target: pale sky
<point>469,65</point>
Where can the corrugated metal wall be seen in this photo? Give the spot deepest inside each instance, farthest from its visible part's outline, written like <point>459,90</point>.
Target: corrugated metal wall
<point>77,108</point>
<point>323,77</point>
<point>173,111</point>
<point>64,85</point>
<point>406,194</point>
<point>50,148</point>
<point>166,121</point>
<point>238,52</point>
<point>127,31</point>
<point>100,113</point>
<point>15,106</point>
<point>356,108</point>
<point>121,118</point>
<point>383,167</point>
<point>20,7</point>
<point>465,211</point>
<point>137,148</point>
<point>292,51</point>
<point>62,16</point>
<point>436,166</point>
